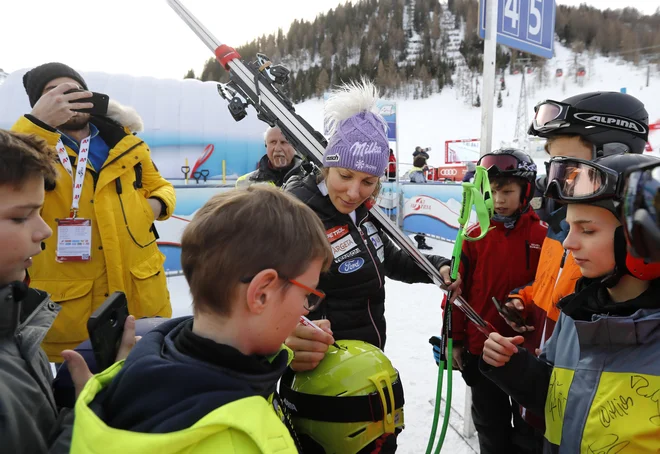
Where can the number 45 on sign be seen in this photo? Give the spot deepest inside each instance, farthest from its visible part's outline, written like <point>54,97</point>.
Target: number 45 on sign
<point>526,25</point>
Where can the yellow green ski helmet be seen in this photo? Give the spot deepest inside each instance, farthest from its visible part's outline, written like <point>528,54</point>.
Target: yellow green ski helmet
<point>352,398</point>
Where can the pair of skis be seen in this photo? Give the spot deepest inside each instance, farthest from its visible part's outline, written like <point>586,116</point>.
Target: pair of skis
<point>255,84</point>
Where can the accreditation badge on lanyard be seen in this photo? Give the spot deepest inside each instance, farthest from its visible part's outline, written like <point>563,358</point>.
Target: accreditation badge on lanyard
<point>74,234</point>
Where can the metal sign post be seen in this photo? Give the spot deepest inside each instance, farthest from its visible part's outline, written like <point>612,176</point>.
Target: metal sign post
<point>526,25</point>
<point>399,199</point>
<point>487,105</point>
<point>487,97</point>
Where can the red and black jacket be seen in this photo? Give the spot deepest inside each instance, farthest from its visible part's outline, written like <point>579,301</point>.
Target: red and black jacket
<point>492,267</point>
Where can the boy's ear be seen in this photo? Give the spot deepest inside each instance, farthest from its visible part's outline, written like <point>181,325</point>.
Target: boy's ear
<point>261,290</point>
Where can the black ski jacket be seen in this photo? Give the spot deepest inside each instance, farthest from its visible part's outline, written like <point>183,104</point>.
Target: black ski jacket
<point>266,174</point>
<point>363,256</point>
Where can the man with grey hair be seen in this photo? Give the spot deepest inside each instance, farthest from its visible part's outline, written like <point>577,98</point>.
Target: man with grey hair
<point>278,164</point>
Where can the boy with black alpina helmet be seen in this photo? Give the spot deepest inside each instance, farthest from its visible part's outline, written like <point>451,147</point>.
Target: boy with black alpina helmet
<point>585,126</point>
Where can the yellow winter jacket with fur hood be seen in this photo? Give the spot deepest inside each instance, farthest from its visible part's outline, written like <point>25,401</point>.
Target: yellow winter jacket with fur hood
<point>124,256</point>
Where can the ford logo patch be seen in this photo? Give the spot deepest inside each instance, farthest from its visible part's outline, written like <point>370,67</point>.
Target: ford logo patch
<point>350,266</point>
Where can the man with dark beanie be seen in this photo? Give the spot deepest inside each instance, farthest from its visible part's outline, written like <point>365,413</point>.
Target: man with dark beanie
<point>107,195</point>
<point>35,80</point>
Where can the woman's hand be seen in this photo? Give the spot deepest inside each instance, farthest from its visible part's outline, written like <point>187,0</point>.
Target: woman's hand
<point>453,287</point>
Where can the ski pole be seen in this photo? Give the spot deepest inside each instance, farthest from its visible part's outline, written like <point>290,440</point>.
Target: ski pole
<point>475,194</point>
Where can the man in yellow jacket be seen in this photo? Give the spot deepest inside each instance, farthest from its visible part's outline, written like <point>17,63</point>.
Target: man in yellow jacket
<point>107,181</point>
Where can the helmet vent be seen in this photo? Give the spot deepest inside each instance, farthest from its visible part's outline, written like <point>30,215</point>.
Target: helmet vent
<point>357,433</point>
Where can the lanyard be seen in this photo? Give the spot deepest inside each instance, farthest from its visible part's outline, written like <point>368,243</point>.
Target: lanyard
<point>81,168</point>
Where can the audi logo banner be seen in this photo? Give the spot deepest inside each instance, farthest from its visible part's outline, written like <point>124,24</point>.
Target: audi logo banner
<point>444,173</point>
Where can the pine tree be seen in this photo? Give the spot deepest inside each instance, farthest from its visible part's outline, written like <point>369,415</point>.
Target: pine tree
<point>478,103</point>
<point>322,83</point>
<point>190,74</point>
<point>499,99</point>
<point>424,75</point>
<point>364,54</point>
<point>382,78</point>
<point>213,71</point>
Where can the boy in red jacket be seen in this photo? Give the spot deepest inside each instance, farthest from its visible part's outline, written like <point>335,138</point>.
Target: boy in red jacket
<point>505,259</point>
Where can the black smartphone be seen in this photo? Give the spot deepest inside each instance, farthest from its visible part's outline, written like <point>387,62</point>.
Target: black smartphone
<point>511,315</point>
<point>99,100</point>
<point>106,327</point>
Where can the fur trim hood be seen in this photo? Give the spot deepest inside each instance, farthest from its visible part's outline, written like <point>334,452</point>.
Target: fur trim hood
<point>125,116</point>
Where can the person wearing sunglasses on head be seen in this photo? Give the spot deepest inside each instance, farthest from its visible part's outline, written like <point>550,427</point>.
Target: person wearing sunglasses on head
<point>597,378</point>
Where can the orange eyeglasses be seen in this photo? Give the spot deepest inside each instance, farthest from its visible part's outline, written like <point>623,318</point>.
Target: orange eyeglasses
<point>313,298</point>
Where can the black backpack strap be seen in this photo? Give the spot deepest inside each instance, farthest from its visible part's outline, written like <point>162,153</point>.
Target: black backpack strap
<point>340,408</point>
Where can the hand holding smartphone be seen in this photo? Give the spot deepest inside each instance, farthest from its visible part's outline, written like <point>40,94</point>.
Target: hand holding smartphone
<point>99,100</point>
<point>106,327</point>
<point>511,315</point>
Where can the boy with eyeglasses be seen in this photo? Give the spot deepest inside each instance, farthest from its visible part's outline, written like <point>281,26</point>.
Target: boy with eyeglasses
<point>207,383</point>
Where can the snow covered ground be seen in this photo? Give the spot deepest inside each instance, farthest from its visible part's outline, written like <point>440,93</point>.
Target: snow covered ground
<point>413,316</point>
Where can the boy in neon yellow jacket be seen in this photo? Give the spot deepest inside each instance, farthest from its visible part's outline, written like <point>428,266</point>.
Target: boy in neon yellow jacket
<point>207,383</point>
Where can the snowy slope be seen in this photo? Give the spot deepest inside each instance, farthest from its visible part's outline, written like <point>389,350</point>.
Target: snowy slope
<point>443,116</point>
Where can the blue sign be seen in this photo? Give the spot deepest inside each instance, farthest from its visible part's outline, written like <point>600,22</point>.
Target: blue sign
<point>526,25</point>
<point>387,109</point>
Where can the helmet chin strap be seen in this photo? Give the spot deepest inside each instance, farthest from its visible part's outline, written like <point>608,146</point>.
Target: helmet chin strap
<point>620,254</point>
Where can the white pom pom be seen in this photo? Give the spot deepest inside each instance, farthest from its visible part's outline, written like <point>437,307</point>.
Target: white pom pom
<point>348,100</point>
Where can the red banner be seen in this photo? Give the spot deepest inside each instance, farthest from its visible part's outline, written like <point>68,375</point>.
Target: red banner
<point>446,173</point>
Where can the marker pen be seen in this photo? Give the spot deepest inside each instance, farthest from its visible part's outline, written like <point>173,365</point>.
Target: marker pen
<point>307,322</point>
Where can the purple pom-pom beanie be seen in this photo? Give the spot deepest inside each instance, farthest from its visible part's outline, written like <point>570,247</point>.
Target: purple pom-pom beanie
<point>359,143</point>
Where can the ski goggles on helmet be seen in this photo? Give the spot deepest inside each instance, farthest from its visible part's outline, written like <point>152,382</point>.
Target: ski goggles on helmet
<point>504,163</point>
<point>552,116</point>
<point>641,209</point>
<point>579,180</point>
